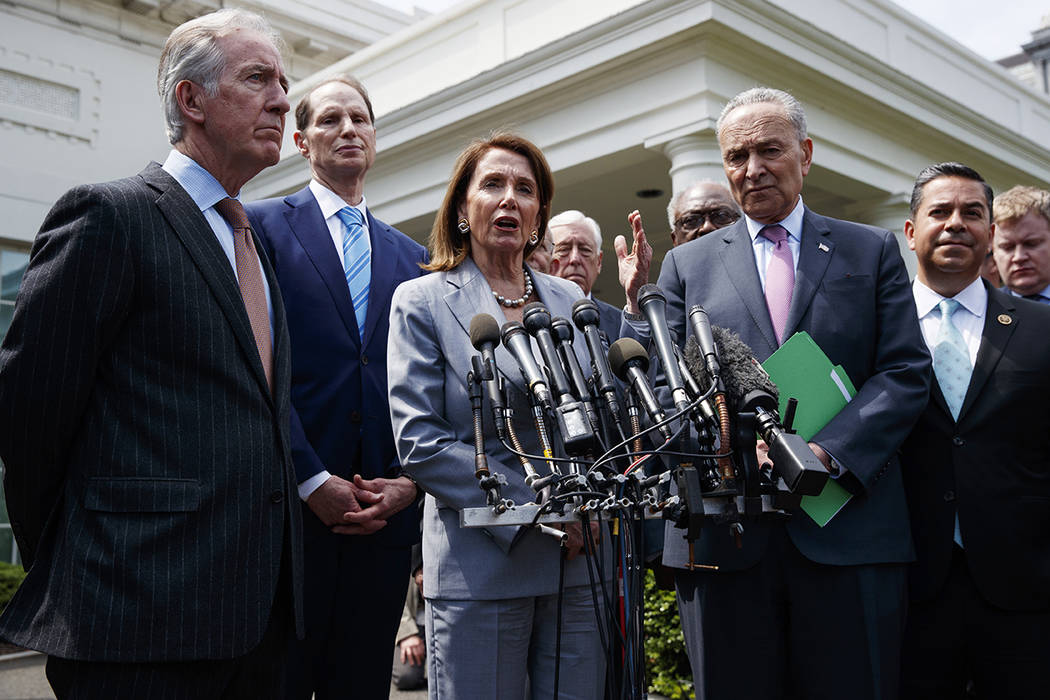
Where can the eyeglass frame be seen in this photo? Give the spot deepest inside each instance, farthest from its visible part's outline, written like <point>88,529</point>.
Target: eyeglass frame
<point>706,215</point>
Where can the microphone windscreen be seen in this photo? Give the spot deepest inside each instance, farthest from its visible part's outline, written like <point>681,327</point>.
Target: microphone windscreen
<point>741,371</point>
<point>535,317</point>
<point>483,329</point>
<point>585,313</point>
<point>622,352</point>
<point>650,291</point>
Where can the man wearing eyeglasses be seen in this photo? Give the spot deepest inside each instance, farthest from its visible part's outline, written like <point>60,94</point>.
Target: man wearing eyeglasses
<point>577,257</point>
<point>699,209</point>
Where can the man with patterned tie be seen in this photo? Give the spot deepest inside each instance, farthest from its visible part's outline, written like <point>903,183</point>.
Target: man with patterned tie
<point>1022,242</point>
<point>798,610</point>
<point>338,266</point>
<point>144,387</point>
<point>976,470</point>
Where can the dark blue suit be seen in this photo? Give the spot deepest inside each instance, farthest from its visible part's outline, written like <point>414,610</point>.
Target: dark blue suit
<point>355,584</point>
<point>810,602</point>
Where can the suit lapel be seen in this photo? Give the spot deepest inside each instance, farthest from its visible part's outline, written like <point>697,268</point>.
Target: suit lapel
<point>738,257</point>
<point>469,294</point>
<point>815,251</point>
<point>189,224</point>
<point>384,261</point>
<point>995,336</point>
<point>309,227</point>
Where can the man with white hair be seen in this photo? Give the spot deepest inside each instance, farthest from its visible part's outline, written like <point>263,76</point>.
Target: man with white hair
<point>799,610</point>
<point>144,393</point>
<point>577,257</point>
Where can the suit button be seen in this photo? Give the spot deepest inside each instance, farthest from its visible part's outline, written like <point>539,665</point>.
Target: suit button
<point>355,416</point>
<point>276,497</point>
<point>958,441</point>
<point>364,359</point>
<point>949,496</point>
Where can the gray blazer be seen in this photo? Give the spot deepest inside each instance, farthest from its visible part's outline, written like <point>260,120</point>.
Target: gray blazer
<point>431,415</point>
<point>148,467</point>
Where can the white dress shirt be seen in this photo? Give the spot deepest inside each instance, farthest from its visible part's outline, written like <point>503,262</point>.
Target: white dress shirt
<point>968,318</point>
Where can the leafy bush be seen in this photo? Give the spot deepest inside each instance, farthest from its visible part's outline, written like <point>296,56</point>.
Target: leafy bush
<point>667,665</point>
<point>11,576</point>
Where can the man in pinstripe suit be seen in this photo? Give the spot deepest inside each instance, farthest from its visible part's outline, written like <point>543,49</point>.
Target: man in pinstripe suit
<point>144,398</point>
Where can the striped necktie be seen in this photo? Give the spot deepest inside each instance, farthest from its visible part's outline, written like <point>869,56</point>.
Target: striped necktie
<point>250,280</point>
<point>357,262</point>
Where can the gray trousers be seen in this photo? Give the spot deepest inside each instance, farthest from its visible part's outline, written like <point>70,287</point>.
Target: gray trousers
<point>499,648</point>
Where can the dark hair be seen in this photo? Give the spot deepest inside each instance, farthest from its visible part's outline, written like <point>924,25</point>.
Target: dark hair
<point>949,169</point>
<point>448,247</point>
<point>304,110</point>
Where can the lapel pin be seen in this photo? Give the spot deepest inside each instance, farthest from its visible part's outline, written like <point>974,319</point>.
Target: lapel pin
<point>823,247</point>
<point>1005,319</point>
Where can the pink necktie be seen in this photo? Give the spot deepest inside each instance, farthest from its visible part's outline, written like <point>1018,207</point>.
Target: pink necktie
<point>249,277</point>
<point>780,278</point>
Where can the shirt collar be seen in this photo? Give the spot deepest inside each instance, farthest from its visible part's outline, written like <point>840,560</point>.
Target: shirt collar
<point>200,185</point>
<point>1043,293</point>
<point>974,298</point>
<point>792,223</point>
<point>331,203</point>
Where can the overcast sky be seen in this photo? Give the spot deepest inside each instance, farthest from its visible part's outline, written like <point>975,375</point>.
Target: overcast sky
<point>992,29</point>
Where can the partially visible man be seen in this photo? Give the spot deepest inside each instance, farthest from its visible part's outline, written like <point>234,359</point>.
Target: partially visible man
<point>337,266</point>
<point>540,257</point>
<point>577,257</point>
<point>1022,242</point>
<point>799,611</point>
<point>699,209</point>
<point>145,404</point>
<point>976,469</point>
<point>990,270</point>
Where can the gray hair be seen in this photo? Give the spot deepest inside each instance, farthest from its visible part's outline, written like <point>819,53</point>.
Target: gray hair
<point>764,95</point>
<point>191,53</point>
<point>676,201</point>
<point>572,216</point>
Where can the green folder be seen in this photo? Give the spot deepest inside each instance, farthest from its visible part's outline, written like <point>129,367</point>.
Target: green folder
<point>802,371</point>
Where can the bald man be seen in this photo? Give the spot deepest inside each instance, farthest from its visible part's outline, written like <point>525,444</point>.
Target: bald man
<point>699,209</point>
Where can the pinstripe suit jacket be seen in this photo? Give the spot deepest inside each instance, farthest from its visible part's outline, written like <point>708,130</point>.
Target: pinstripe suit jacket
<point>148,468</point>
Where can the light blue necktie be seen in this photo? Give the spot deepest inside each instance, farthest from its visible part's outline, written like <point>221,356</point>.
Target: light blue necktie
<point>951,359</point>
<point>357,262</point>
<point>951,364</point>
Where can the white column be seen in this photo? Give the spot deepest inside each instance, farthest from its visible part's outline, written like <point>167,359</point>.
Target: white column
<point>694,157</point>
<point>889,213</point>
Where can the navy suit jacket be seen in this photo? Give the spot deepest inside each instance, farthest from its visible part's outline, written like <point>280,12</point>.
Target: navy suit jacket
<point>853,297</point>
<point>609,319</point>
<point>991,466</point>
<point>341,420</point>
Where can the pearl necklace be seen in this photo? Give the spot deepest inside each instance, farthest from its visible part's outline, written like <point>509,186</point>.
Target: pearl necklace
<point>514,303</point>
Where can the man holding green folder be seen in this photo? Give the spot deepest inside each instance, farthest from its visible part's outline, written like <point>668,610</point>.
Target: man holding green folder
<point>976,466</point>
<point>800,610</point>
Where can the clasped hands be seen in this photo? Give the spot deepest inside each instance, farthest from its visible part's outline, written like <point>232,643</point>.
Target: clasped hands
<point>361,506</point>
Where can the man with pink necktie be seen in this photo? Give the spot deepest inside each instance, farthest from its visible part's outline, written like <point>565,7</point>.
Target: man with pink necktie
<point>799,611</point>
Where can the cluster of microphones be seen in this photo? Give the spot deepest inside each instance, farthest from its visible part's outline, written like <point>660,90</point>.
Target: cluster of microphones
<point>609,440</point>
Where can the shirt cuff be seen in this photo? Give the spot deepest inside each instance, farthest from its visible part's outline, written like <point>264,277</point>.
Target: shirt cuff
<point>312,484</point>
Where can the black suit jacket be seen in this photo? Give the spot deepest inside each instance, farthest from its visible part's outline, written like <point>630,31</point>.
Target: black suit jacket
<point>992,466</point>
<point>148,468</point>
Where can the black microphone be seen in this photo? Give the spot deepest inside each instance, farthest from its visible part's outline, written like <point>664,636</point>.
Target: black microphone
<point>484,336</point>
<point>537,321</point>
<point>705,338</point>
<point>630,363</point>
<point>516,340</point>
<point>573,420</point>
<point>585,315</point>
<point>751,390</point>
<point>561,329</point>
<point>653,304</point>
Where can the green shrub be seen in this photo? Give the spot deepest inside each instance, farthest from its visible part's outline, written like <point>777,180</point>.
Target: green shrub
<point>667,665</point>
<point>11,576</point>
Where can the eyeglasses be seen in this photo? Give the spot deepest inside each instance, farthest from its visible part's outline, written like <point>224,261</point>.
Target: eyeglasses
<point>693,220</point>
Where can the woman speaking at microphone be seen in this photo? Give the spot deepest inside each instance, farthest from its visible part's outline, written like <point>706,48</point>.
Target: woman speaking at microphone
<point>491,594</point>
